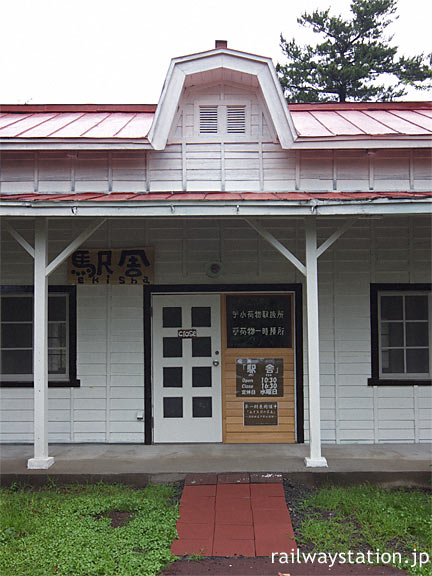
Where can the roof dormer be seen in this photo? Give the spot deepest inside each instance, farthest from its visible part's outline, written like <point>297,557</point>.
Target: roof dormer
<point>216,92</point>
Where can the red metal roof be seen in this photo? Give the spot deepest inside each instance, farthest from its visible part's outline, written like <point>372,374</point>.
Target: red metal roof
<point>133,121</point>
<point>210,196</point>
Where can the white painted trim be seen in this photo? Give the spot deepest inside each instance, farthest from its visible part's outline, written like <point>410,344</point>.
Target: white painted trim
<point>48,144</point>
<point>346,143</point>
<point>21,241</point>
<point>277,245</point>
<point>332,239</point>
<point>58,260</point>
<point>40,348</point>
<point>315,459</point>
<point>209,208</point>
<point>167,107</point>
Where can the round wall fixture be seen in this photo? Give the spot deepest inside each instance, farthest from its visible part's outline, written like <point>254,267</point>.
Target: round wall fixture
<point>214,269</point>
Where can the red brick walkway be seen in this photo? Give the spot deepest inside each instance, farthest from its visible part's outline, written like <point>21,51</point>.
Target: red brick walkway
<point>233,515</point>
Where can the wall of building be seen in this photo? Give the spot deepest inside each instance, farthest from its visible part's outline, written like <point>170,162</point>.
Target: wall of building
<point>215,166</point>
<point>110,326</point>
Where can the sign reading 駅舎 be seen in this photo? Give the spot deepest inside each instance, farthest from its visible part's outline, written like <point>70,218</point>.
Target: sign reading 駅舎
<point>258,377</point>
<point>108,266</point>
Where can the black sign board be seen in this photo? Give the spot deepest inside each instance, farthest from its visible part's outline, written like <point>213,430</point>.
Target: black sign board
<point>260,413</point>
<point>258,377</point>
<point>259,321</point>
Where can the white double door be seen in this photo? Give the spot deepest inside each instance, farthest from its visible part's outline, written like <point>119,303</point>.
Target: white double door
<point>187,368</point>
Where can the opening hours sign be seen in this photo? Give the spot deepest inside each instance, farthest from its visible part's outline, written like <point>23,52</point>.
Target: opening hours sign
<point>259,377</point>
<point>108,266</point>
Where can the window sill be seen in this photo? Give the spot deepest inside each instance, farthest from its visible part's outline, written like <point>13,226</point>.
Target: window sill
<point>51,384</point>
<point>397,382</point>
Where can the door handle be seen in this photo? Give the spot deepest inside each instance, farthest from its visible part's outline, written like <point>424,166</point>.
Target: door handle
<point>215,362</point>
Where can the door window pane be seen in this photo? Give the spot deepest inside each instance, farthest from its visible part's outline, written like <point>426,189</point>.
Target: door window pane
<point>19,309</point>
<point>173,407</point>
<point>417,334</point>
<point>201,377</point>
<point>392,334</point>
<point>201,347</point>
<point>416,307</point>
<point>171,317</point>
<point>16,362</point>
<point>17,335</point>
<point>201,316</point>
<point>172,347</point>
<point>202,407</point>
<point>417,361</point>
<point>173,377</point>
<point>393,361</point>
<point>391,307</point>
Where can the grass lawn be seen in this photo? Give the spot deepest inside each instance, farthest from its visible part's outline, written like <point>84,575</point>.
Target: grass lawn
<point>362,518</point>
<point>70,530</point>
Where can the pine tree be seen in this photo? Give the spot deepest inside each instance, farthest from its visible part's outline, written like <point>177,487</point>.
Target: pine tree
<point>349,62</point>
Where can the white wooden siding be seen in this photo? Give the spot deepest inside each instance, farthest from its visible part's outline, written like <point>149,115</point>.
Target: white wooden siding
<point>215,166</point>
<point>110,329</point>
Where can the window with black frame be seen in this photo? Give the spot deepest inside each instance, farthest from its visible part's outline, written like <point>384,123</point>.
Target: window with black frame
<point>401,334</point>
<point>16,336</point>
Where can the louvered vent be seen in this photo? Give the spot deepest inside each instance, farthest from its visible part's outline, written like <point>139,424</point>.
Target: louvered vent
<point>208,118</point>
<point>236,119</point>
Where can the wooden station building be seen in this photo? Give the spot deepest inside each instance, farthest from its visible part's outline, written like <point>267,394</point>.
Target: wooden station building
<point>219,267</point>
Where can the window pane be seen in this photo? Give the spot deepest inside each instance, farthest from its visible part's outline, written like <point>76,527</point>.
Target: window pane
<point>391,334</point>
<point>18,309</point>
<point>201,347</point>
<point>16,362</point>
<point>172,377</point>
<point>391,307</point>
<point>57,362</point>
<point>201,377</point>
<point>202,407</point>
<point>416,307</point>
<point>173,407</point>
<point>392,362</point>
<point>172,347</point>
<point>417,361</point>
<point>171,317</point>
<point>201,316</point>
<point>17,335</point>
<point>417,334</point>
<point>57,308</point>
<point>56,335</point>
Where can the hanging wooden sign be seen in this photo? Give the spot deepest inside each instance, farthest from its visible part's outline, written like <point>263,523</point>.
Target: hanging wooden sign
<point>112,266</point>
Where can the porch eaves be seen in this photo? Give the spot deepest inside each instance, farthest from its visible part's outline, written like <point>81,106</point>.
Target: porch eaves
<point>300,204</point>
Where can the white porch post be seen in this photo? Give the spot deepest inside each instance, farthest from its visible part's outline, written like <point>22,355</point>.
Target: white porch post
<point>40,348</point>
<point>315,459</point>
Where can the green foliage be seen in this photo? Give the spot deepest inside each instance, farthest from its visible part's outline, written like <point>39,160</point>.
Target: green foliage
<point>64,531</point>
<point>349,62</point>
<point>369,518</point>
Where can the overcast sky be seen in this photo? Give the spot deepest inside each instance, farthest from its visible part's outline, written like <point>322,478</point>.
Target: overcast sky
<point>118,51</point>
